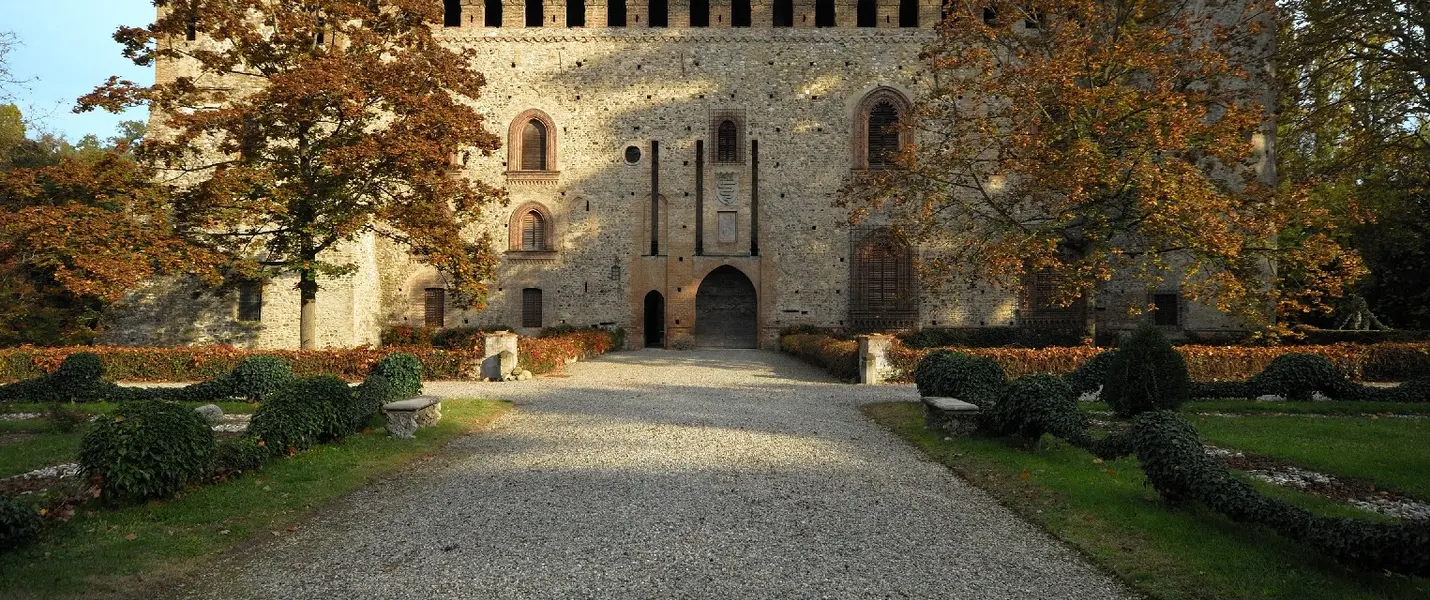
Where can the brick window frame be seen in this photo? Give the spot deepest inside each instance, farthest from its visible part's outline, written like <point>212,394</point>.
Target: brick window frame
<point>518,218</point>
<point>515,173</point>
<point>879,95</point>
<point>718,118</point>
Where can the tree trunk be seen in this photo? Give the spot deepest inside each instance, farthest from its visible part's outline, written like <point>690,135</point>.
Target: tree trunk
<point>1089,317</point>
<point>308,313</point>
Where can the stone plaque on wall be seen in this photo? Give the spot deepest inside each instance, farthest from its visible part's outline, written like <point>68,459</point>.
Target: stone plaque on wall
<point>729,227</point>
<point>727,187</point>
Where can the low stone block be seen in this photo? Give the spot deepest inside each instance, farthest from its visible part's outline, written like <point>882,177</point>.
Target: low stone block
<point>952,415</point>
<point>210,412</point>
<point>405,417</point>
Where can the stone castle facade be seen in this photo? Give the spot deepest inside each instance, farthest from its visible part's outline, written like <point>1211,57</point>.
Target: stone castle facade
<point>677,181</point>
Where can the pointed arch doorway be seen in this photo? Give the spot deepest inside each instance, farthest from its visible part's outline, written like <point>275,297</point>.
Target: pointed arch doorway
<point>654,320</point>
<point>726,310</point>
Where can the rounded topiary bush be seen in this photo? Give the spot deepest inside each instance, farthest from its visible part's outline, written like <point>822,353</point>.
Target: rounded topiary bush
<point>973,379</point>
<point>19,524</point>
<point>79,379</point>
<point>1089,376</point>
<point>368,399</point>
<point>301,415</point>
<point>260,377</point>
<point>404,372</point>
<point>239,455</point>
<point>1038,404</point>
<point>1298,376</point>
<point>148,449</point>
<point>1415,390</point>
<point>1146,374</point>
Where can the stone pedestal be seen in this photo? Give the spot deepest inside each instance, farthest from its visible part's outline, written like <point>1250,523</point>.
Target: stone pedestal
<point>499,355</point>
<point>874,357</point>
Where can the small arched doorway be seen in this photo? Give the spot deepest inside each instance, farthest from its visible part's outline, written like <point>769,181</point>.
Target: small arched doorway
<point>654,320</point>
<point>726,311</point>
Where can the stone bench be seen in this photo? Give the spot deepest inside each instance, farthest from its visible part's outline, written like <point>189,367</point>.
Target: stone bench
<point>954,416</point>
<point>406,416</point>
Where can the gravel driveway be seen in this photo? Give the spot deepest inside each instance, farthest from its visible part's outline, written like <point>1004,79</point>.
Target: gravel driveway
<point>710,474</point>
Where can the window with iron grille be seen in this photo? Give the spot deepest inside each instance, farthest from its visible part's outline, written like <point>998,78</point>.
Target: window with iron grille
<point>531,307</point>
<point>884,290</point>
<point>250,302</point>
<point>883,135</point>
<point>727,143</point>
<point>533,146</point>
<point>434,313</point>
<point>1168,309</point>
<point>533,231</point>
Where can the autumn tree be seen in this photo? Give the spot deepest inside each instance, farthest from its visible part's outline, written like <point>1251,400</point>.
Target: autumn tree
<point>310,124</point>
<point>1353,125</point>
<point>1093,140</point>
<point>79,227</point>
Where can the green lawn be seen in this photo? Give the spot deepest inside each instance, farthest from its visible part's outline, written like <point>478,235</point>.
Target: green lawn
<point>1392,452</point>
<point>33,443</point>
<point>1105,510</point>
<point>1308,408</point>
<point>133,551</point>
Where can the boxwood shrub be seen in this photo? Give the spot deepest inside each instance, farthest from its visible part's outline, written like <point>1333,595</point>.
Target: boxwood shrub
<point>403,371</point>
<point>1146,373</point>
<point>260,377</point>
<point>239,455</point>
<point>1091,374</point>
<point>19,523</point>
<point>1298,376</point>
<point>1035,405</point>
<point>301,415</point>
<point>972,379</point>
<point>148,449</point>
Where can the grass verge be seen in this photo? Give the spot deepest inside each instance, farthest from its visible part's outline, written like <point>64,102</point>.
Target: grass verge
<point>103,553</point>
<point>1292,408</point>
<point>1105,511</point>
<point>1391,452</point>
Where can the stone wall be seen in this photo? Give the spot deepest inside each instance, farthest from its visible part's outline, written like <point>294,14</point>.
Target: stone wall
<point>793,91</point>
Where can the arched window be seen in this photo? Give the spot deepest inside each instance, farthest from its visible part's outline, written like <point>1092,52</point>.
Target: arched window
<point>492,13</point>
<point>533,146</point>
<point>823,13</point>
<point>535,13</point>
<point>452,13</point>
<point>575,13</point>
<point>616,13</point>
<point>699,13</point>
<point>659,15</point>
<point>533,231</point>
<point>866,13</point>
<point>727,143</point>
<point>883,130</point>
<point>879,134</point>
<point>740,13</point>
<point>784,13</point>
<point>908,13</point>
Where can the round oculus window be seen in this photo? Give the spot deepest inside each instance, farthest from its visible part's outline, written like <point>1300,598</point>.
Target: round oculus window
<point>633,155</point>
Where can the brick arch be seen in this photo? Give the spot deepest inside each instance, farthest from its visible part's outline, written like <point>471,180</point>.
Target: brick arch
<point>878,95</point>
<point>547,219</point>
<point>514,145</point>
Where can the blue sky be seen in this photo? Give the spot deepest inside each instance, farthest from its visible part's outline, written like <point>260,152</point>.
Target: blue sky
<point>66,50</point>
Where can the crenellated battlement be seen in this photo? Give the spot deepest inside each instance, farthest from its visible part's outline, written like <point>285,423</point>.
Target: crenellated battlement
<point>692,14</point>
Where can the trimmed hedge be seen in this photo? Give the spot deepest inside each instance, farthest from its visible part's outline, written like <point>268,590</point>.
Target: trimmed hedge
<point>302,415</point>
<point>1145,374</point>
<point>1176,464</point>
<point>1379,362</point>
<point>551,353</point>
<point>239,455</point>
<point>839,357</point>
<point>19,523</point>
<point>972,379</point>
<point>147,450</point>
